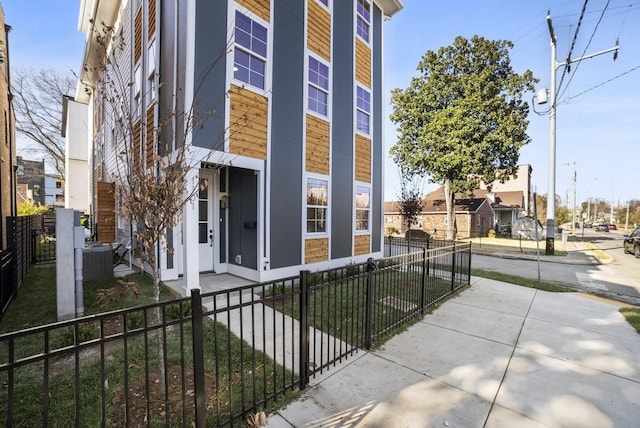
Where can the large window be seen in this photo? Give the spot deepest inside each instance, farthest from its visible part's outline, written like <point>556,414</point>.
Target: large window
<point>363,19</point>
<point>318,86</point>
<point>317,204</point>
<point>250,54</point>
<point>363,104</point>
<point>363,207</point>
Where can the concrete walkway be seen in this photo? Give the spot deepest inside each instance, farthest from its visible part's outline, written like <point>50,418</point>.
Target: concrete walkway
<point>499,355</point>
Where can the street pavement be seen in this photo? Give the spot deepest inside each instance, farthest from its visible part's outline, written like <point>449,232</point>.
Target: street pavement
<point>497,355</point>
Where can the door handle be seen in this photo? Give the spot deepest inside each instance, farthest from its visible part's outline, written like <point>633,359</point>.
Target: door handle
<point>211,237</point>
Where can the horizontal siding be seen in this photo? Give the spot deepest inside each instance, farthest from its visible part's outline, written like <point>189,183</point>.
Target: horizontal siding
<point>363,159</point>
<point>260,7</point>
<point>361,245</point>
<point>317,147</point>
<point>137,46</point>
<point>248,126</point>
<point>363,63</point>
<point>319,30</point>
<point>316,250</point>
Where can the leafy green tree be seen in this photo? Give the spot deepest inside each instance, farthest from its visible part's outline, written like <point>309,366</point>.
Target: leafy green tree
<point>463,119</point>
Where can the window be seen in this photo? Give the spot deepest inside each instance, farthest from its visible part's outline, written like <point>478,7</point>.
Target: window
<point>151,75</point>
<point>318,86</point>
<point>363,19</point>
<point>324,2</point>
<point>58,184</point>
<point>363,104</point>
<point>317,203</point>
<point>137,87</point>
<point>363,206</point>
<point>250,54</point>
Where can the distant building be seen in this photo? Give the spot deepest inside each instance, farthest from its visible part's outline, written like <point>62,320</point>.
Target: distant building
<point>31,173</point>
<point>77,153</point>
<point>7,135</point>
<point>53,191</point>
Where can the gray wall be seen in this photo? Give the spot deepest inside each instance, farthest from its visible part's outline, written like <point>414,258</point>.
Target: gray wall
<point>243,216</point>
<point>212,32</point>
<point>287,136</point>
<point>342,131</point>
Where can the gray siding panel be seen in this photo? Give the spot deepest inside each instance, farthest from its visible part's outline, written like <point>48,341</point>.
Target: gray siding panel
<point>287,138</point>
<point>212,31</point>
<point>342,131</point>
<point>243,217</point>
<point>376,200</point>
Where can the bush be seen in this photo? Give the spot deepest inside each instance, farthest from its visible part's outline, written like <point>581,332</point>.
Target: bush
<point>491,233</point>
<point>416,234</point>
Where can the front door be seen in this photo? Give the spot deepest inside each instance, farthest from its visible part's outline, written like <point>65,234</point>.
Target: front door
<point>206,230</point>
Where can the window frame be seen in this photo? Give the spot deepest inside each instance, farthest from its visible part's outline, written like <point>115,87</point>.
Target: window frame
<point>360,110</point>
<point>359,189</point>
<point>361,18</point>
<point>326,91</point>
<point>249,51</point>
<point>307,206</point>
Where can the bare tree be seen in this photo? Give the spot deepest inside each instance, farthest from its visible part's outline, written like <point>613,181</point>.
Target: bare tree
<point>155,167</point>
<point>38,106</point>
<point>410,197</point>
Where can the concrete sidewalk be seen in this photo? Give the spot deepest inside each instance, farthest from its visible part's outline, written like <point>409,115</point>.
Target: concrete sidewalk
<point>498,355</point>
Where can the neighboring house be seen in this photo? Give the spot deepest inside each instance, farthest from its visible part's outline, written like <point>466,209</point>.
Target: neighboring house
<point>7,136</point>
<point>76,161</point>
<point>32,174</point>
<point>53,191</point>
<point>291,171</point>
<point>497,209</point>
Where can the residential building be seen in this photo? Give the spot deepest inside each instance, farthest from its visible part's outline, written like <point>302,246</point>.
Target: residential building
<point>53,191</point>
<point>32,174</point>
<point>77,153</point>
<point>7,135</point>
<point>476,213</point>
<point>290,152</point>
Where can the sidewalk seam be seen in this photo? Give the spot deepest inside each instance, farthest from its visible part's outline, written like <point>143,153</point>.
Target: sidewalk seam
<point>513,351</point>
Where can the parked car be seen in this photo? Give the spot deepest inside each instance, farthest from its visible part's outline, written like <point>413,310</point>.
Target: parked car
<point>613,226</point>
<point>632,242</point>
<point>601,228</point>
<point>587,224</point>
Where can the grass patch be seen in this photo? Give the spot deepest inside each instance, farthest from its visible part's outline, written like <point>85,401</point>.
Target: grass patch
<point>518,280</point>
<point>239,378</point>
<point>632,316</point>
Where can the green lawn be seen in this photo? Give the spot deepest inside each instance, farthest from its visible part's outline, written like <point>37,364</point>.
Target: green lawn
<point>518,280</point>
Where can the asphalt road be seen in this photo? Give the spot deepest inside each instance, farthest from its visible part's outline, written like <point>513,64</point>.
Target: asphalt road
<point>619,279</point>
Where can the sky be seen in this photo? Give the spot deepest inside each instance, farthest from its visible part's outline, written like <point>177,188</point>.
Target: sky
<point>598,113</point>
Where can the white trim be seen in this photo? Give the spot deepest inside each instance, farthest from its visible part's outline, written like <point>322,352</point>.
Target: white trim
<point>368,186</point>
<point>329,92</point>
<point>327,232</point>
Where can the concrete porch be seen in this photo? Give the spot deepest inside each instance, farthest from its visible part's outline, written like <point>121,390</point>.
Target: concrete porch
<point>210,282</point>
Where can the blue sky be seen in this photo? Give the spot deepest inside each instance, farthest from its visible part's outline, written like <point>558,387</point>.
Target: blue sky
<point>598,130</point>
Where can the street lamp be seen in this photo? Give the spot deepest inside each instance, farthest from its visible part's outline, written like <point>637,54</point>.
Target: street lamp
<point>551,195</point>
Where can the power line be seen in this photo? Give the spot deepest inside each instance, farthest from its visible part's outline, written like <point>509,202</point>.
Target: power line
<point>573,43</point>
<point>604,83</point>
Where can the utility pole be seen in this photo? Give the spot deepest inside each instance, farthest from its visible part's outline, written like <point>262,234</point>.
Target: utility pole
<point>551,194</point>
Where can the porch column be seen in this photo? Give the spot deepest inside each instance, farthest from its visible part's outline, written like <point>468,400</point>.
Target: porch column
<point>191,259</point>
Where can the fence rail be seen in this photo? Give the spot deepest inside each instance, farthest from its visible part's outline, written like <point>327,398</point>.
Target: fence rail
<point>220,356</point>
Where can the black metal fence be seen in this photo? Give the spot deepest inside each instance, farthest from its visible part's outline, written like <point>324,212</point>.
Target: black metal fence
<point>215,359</point>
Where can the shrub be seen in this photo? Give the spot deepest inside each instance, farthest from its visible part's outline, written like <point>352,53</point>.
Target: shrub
<point>491,233</point>
<point>416,234</point>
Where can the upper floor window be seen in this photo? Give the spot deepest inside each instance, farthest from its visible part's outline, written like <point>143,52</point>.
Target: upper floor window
<point>318,86</point>
<point>363,19</point>
<point>363,104</point>
<point>250,56</point>
<point>324,2</point>
<point>317,205</point>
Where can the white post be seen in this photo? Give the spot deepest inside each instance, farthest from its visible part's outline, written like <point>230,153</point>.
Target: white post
<point>551,194</point>
<point>78,247</point>
<point>65,301</point>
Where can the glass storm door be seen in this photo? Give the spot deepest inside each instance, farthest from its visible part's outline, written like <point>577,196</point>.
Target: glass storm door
<point>206,236</point>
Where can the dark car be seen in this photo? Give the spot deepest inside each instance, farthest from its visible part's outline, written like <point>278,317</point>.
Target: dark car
<point>632,242</point>
<point>601,228</point>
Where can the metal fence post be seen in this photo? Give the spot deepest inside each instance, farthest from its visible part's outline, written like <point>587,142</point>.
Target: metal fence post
<point>198,358</point>
<point>368,303</point>
<point>423,280</point>
<point>469,271</point>
<point>453,268</point>
<point>304,328</point>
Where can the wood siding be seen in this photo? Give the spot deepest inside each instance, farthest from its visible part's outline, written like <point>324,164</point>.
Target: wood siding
<point>152,18</point>
<point>317,147</point>
<point>137,130</point>
<point>363,159</point>
<point>361,245</point>
<point>261,8</point>
<point>316,250</point>
<point>363,63</point>
<point>106,204</point>
<point>319,30</point>
<point>248,127</point>
<point>150,137</point>
<point>137,44</point>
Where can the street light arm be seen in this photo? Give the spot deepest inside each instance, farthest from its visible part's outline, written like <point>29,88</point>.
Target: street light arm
<point>615,48</point>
